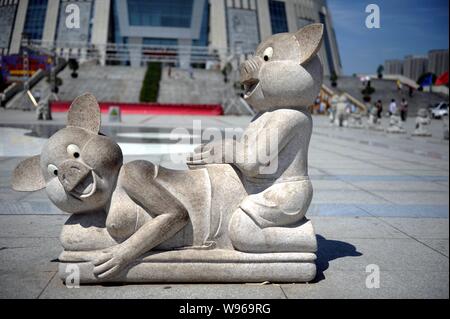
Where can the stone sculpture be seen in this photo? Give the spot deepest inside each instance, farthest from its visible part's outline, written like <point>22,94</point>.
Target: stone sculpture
<point>333,104</point>
<point>43,109</point>
<point>374,123</point>
<point>341,118</point>
<point>395,124</point>
<point>356,119</point>
<point>422,122</point>
<point>235,218</point>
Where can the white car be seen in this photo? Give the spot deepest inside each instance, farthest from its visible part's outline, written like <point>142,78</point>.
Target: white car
<point>439,110</point>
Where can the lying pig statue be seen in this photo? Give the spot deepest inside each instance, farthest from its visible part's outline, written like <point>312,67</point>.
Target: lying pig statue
<point>225,219</point>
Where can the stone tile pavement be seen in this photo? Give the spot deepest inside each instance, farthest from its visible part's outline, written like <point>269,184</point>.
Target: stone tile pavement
<point>379,200</point>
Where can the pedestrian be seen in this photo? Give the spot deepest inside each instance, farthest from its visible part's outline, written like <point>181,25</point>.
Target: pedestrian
<point>392,107</point>
<point>404,109</point>
<point>322,108</point>
<point>399,85</point>
<point>379,107</point>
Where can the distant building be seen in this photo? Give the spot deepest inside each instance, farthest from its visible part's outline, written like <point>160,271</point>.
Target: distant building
<point>393,67</point>
<point>222,26</point>
<point>269,17</point>
<point>414,66</point>
<point>438,61</point>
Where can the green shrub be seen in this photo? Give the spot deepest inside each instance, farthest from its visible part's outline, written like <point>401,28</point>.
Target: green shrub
<point>150,85</point>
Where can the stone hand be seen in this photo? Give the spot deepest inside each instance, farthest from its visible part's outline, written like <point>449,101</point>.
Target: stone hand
<point>111,261</point>
<point>217,152</point>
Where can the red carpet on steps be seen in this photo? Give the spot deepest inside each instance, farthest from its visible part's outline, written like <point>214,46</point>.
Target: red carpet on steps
<point>150,108</point>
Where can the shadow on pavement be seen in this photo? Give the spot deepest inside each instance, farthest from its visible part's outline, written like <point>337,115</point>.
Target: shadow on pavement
<point>330,250</point>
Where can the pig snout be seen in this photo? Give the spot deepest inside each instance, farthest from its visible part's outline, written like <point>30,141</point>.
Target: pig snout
<point>250,69</point>
<point>71,173</point>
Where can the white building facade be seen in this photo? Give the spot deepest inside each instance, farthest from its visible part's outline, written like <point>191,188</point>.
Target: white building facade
<point>438,61</point>
<point>120,29</point>
<point>414,66</point>
<point>393,67</point>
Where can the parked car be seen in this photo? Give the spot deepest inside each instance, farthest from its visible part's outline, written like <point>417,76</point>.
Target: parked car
<point>439,110</point>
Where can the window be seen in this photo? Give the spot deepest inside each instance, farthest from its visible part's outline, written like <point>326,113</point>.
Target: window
<point>327,43</point>
<point>158,41</point>
<point>160,13</point>
<point>303,22</point>
<point>35,19</point>
<point>204,31</point>
<point>278,16</point>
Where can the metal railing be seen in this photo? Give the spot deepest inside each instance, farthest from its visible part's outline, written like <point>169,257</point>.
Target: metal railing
<point>125,53</point>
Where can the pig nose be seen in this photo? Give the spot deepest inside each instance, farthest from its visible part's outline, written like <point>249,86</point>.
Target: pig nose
<point>250,68</point>
<point>71,173</point>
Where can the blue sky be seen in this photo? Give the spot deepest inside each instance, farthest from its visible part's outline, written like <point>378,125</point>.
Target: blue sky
<point>407,27</point>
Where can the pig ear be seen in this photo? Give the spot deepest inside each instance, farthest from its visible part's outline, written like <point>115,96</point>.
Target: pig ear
<point>310,40</point>
<point>27,176</point>
<point>85,113</point>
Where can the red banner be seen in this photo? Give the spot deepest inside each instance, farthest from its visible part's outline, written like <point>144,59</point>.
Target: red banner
<point>150,108</point>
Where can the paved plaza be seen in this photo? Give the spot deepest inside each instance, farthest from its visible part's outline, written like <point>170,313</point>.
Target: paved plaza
<point>380,202</point>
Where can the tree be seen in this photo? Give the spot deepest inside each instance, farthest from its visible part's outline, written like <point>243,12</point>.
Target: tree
<point>150,85</point>
<point>380,71</point>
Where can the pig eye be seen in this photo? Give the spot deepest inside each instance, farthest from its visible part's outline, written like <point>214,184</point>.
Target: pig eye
<point>73,150</point>
<point>268,53</point>
<point>52,169</point>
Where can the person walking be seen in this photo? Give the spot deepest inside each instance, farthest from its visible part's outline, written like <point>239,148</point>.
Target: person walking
<point>392,107</point>
<point>379,107</point>
<point>399,85</point>
<point>404,110</point>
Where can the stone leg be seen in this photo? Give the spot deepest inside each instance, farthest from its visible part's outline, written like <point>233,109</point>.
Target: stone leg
<point>247,236</point>
<point>273,220</point>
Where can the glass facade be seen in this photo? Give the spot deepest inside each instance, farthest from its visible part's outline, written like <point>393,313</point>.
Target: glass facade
<point>327,43</point>
<point>278,17</point>
<point>160,13</point>
<point>204,29</point>
<point>35,19</point>
<point>303,22</point>
<point>115,32</point>
<point>157,41</point>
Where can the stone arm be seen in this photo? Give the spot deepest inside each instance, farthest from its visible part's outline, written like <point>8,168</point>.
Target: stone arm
<point>258,147</point>
<point>169,217</point>
<point>256,151</point>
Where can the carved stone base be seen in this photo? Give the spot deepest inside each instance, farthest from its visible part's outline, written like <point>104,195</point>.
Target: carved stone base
<point>192,265</point>
<point>421,133</point>
<point>395,130</point>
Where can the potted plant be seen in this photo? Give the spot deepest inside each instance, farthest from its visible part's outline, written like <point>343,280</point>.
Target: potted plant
<point>367,92</point>
<point>333,79</point>
<point>74,66</point>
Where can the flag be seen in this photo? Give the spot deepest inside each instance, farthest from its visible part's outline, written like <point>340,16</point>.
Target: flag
<point>442,79</point>
<point>427,81</point>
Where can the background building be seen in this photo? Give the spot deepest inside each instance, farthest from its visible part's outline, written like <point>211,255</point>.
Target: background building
<point>193,31</point>
<point>393,67</point>
<point>438,61</point>
<point>413,66</point>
